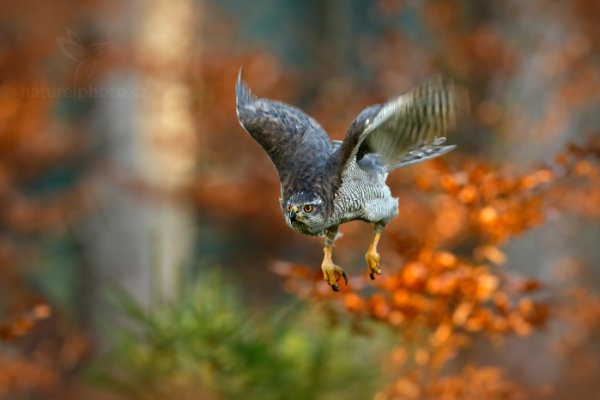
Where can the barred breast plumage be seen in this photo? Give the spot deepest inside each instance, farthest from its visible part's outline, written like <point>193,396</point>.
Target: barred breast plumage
<point>364,194</point>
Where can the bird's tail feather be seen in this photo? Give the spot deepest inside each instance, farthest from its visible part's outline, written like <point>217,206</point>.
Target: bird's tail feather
<point>423,153</point>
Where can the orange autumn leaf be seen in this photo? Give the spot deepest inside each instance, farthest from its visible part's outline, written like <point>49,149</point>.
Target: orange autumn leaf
<point>486,285</point>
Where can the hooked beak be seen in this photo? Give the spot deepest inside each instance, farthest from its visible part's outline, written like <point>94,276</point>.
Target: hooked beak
<point>293,213</point>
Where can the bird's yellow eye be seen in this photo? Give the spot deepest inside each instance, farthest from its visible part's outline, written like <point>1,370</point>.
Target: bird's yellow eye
<point>289,208</point>
<point>308,208</point>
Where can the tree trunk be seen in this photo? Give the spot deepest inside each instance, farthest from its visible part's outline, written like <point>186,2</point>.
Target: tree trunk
<point>139,240</point>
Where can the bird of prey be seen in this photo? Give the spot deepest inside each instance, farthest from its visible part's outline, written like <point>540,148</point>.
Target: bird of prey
<point>326,183</point>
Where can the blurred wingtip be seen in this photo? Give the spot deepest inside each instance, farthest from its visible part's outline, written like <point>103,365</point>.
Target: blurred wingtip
<point>460,93</point>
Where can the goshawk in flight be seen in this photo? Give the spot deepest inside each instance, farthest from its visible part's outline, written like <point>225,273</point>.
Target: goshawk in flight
<point>326,183</point>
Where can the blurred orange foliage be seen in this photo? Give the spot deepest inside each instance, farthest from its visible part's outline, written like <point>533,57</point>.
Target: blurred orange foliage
<point>440,300</point>
<point>448,282</point>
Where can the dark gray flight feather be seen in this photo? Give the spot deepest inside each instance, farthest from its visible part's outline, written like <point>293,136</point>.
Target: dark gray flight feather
<point>407,129</point>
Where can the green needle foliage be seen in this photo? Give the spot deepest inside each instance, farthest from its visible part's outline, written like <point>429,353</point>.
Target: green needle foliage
<point>210,345</point>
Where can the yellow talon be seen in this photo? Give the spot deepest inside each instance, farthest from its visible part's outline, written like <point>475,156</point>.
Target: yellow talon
<point>331,272</point>
<point>372,257</point>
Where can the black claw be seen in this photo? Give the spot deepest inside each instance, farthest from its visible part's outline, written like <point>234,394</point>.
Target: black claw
<point>372,275</point>
<point>335,287</point>
<point>345,278</point>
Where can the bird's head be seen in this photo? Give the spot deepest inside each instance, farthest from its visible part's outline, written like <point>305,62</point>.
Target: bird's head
<point>305,212</point>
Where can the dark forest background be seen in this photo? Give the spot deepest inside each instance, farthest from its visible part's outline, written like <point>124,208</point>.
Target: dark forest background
<point>142,249</point>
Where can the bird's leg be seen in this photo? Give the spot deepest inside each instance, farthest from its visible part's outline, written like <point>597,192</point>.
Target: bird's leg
<point>372,256</point>
<point>331,272</point>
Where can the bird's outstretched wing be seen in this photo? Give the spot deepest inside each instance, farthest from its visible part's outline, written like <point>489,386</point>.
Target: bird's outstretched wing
<point>407,129</point>
<point>290,138</point>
